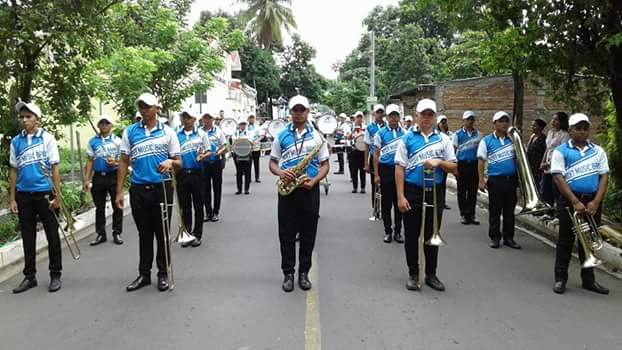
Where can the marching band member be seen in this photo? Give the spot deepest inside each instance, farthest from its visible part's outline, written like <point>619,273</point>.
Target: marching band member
<point>443,127</point>
<point>103,153</point>
<point>30,189</point>
<point>422,147</point>
<point>408,122</point>
<point>385,145</point>
<point>195,146</point>
<point>356,160</point>
<point>339,140</point>
<point>242,164</point>
<point>212,168</point>
<point>466,141</point>
<point>370,133</point>
<point>580,170</point>
<point>497,150</point>
<point>299,211</point>
<point>153,150</point>
<point>256,136</point>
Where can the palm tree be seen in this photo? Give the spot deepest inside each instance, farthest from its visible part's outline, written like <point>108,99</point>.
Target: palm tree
<point>267,18</point>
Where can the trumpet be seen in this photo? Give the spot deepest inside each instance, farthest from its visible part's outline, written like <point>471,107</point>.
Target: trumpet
<point>68,229</point>
<point>436,240</point>
<point>376,205</point>
<point>599,243</point>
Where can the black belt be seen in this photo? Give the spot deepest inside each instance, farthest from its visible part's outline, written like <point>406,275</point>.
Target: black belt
<point>584,196</point>
<point>191,171</point>
<point>413,187</point>
<point>45,193</point>
<point>468,161</point>
<point>502,177</point>
<point>103,173</point>
<point>147,187</point>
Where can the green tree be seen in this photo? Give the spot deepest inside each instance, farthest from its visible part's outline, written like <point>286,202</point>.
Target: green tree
<point>260,70</point>
<point>298,74</point>
<point>267,19</point>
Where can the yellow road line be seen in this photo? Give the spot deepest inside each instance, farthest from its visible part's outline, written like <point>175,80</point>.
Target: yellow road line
<point>313,332</point>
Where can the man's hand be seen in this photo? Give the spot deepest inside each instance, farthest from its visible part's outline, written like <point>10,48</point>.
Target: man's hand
<point>308,184</point>
<point>366,168</point>
<point>377,180</point>
<point>85,188</point>
<point>13,206</point>
<point>403,205</point>
<point>482,185</point>
<point>579,208</point>
<point>431,163</point>
<point>119,200</point>
<point>288,176</point>
<point>166,166</point>
<point>592,207</point>
<point>55,203</point>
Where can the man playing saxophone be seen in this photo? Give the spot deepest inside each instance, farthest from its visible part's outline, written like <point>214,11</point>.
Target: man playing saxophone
<point>580,171</point>
<point>298,150</point>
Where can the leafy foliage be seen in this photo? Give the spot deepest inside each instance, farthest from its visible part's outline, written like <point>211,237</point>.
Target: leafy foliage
<point>266,20</point>
<point>298,74</point>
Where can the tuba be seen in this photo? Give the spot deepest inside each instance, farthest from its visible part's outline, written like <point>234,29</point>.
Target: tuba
<point>532,203</point>
<point>599,243</point>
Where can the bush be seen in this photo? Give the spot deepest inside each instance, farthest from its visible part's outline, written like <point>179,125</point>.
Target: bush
<point>9,229</point>
<point>612,204</point>
<point>71,195</point>
<point>611,139</point>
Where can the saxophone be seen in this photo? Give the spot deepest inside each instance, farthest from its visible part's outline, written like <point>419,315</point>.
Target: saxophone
<point>286,188</point>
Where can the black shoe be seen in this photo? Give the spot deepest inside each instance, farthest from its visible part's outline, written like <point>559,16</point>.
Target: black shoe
<point>474,222</point>
<point>354,190</point>
<point>363,190</point>
<point>138,283</point>
<point>465,221</point>
<point>208,217</point>
<point>238,192</point>
<point>215,218</point>
<point>340,172</point>
<point>387,238</point>
<point>196,242</point>
<point>595,287</point>
<point>187,244</point>
<point>25,285</point>
<point>559,287</point>
<point>162,283</point>
<point>98,240</point>
<point>116,239</point>
<point>447,207</point>
<point>55,284</point>
<point>413,282</point>
<point>288,283</point>
<point>398,237</point>
<point>257,181</point>
<point>247,192</point>
<point>434,283</point>
<point>303,281</point>
<point>495,244</point>
<point>512,244</point>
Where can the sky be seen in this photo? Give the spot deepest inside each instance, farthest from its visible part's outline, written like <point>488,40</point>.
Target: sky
<point>332,27</point>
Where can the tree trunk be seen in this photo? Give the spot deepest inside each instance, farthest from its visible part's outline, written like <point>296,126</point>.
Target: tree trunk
<point>26,77</point>
<point>519,92</point>
<point>269,107</point>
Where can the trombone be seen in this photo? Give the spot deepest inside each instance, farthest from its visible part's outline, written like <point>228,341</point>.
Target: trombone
<point>376,205</point>
<point>436,240</point>
<point>182,234</point>
<point>166,230</point>
<point>69,228</point>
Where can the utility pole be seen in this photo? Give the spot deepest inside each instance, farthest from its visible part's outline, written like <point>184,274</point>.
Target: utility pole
<point>371,100</point>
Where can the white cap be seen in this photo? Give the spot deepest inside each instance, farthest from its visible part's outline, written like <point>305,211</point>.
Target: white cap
<point>162,120</point>
<point>408,118</point>
<point>298,100</point>
<point>578,118</point>
<point>347,118</point>
<point>393,108</point>
<point>102,118</point>
<point>29,106</point>
<point>426,104</point>
<point>342,115</point>
<point>148,99</point>
<point>189,112</point>
<point>500,115</point>
<point>378,107</point>
<point>440,118</point>
<point>358,113</point>
<point>468,114</point>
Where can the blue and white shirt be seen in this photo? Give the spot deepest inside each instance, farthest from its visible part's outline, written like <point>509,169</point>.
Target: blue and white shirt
<point>466,144</point>
<point>30,154</point>
<point>99,149</point>
<point>290,147</point>
<point>192,143</point>
<point>255,136</point>
<point>415,147</point>
<point>386,140</point>
<point>370,132</point>
<point>217,139</point>
<point>147,149</point>
<point>499,152</point>
<point>581,168</point>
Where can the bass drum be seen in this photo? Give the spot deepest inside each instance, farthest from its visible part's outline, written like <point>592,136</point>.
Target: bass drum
<point>275,127</point>
<point>327,124</point>
<point>359,143</point>
<point>228,126</point>
<point>242,147</point>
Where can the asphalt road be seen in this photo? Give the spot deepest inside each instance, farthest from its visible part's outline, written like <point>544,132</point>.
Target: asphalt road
<point>228,293</point>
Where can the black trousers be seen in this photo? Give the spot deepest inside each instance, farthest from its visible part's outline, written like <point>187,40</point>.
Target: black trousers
<point>467,180</point>
<point>501,202</point>
<point>412,227</point>
<point>243,169</point>
<point>298,212</point>
<point>371,176</point>
<point>145,202</point>
<point>104,185</point>
<point>548,189</point>
<point>30,206</point>
<point>566,239</point>
<point>340,161</point>
<point>212,186</point>
<point>191,196</point>
<point>255,162</point>
<point>389,200</point>
<point>356,163</point>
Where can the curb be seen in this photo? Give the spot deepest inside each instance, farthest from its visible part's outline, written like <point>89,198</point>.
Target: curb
<point>544,231</point>
<point>12,254</point>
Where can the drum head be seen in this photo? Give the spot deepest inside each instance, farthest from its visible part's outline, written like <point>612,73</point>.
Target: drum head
<point>327,124</point>
<point>242,147</point>
<point>347,127</point>
<point>228,126</point>
<point>275,127</point>
<point>359,143</point>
